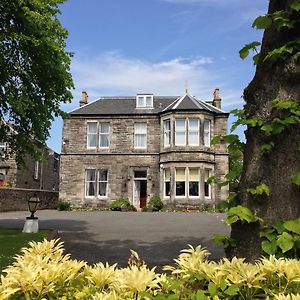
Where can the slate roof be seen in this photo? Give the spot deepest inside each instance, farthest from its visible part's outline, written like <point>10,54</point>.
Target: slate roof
<point>127,106</point>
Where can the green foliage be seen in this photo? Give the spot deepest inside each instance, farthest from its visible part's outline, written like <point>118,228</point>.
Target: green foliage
<point>224,241</point>
<point>155,203</point>
<point>283,19</point>
<point>44,272</point>
<point>35,73</point>
<point>285,114</point>
<point>235,149</point>
<point>262,22</point>
<point>63,206</point>
<point>261,189</point>
<point>241,214</point>
<point>296,179</point>
<point>244,52</point>
<point>121,204</point>
<point>267,148</point>
<point>232,201</point>
<point>283,240</point>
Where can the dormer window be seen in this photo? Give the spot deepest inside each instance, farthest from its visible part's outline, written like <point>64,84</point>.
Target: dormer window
<point>144,101</point>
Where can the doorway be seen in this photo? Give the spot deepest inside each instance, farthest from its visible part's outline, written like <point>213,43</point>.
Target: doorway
<point>140,189</point>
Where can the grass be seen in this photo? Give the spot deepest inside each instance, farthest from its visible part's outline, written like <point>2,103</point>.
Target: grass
<point>13,240</point>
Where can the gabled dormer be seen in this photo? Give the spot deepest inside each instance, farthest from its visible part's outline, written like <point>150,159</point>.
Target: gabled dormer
<point>144,101</point>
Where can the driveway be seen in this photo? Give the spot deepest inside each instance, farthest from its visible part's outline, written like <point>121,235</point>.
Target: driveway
<point>107,236</point>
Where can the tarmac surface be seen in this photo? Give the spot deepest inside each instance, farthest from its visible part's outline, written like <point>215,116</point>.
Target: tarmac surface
<point>98,236</point>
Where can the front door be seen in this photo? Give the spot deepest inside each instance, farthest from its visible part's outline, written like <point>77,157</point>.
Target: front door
<point>143,193</point>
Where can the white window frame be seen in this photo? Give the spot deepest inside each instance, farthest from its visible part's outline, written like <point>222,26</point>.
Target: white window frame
<point>192,196</point>
<point>136,133</point>
<point>185,183</point>
<point>99,181</point>
<point>87,134</point>
<point>193,130</point>
<point>144,101</point>
<point>86,182</point>
<point>167,133</point>
<point>105,133</point>
<point>36,170</point>
<point>96,183</point>
<point>209,185</point>
<point>176,130</point>
<point>207,132</point>
<point>165,195</point>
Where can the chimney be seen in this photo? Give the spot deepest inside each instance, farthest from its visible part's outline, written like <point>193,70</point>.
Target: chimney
<point>84,98</point>
<point>217,100</point>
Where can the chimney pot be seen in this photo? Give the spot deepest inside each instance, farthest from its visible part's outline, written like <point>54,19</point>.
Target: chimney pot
<point>217,99</point>
<point>84,98</point>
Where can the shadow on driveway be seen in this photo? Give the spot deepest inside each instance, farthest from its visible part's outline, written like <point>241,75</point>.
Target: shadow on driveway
<point>108,236</point>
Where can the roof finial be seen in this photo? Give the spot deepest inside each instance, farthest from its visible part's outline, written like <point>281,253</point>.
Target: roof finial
<point>186,87</point>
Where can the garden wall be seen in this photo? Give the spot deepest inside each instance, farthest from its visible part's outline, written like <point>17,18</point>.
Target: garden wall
<point>13,199</point>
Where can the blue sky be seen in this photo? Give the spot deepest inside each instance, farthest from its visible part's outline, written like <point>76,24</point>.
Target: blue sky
<point>123,47</point>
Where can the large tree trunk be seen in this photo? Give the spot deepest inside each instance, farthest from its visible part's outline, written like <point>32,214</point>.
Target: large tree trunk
<point>272,80</point>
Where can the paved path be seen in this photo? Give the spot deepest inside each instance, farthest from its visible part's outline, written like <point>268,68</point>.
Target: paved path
<point>108,236</point>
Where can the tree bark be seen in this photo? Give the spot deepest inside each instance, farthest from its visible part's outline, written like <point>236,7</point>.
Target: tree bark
<point>272,80</point>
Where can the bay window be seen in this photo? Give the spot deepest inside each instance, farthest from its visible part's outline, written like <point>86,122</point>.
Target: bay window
<point>180,182</point>
<point>206,133</point>
<point>167,133</point>
<point>193,132</point>
<point>207,186</point>
<point>180,130</point>
<point>167,181</point>
<point>194,182</point>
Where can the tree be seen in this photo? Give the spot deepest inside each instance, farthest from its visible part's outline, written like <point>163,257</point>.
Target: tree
<point>35,72</point>
<point>272,113</point>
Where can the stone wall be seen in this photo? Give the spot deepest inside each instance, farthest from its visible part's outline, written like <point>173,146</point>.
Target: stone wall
<point>15,199</point>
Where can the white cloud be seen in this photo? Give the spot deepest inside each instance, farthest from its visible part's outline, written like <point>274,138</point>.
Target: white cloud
<point>114,74</point>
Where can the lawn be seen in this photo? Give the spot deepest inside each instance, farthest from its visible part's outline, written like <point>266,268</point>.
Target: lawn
<point>12,241</point>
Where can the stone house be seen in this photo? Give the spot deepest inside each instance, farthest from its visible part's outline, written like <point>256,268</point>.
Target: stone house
<point>141,146</point>
<point>37,175</point>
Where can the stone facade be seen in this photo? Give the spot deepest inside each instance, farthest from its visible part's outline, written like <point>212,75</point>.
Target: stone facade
<point>135,173</point>
<point>42,175</point>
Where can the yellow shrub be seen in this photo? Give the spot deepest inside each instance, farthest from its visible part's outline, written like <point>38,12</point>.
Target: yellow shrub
<point>42,271</point>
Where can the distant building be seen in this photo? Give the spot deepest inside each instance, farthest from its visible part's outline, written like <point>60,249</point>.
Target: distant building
<point>42,175</point>
<point>141,146</point>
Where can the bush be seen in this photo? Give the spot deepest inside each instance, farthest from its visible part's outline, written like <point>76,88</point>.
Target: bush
<point>121,204</point>
<point>155,203</point>
<point>43,272</point>
<point>63,206</point>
